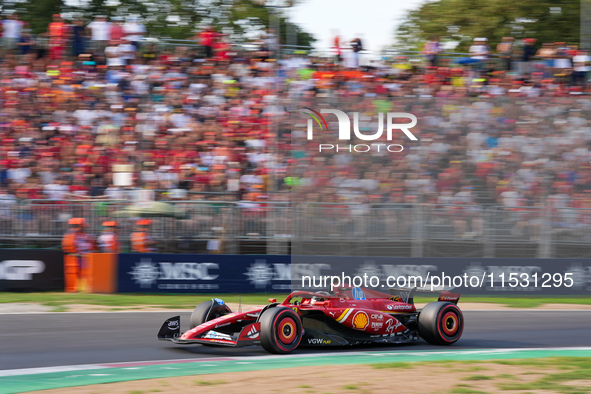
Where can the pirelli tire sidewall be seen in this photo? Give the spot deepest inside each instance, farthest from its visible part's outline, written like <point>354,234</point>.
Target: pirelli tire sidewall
<point>281,330</point>
<point>441,323</point>
<point>201,313</point>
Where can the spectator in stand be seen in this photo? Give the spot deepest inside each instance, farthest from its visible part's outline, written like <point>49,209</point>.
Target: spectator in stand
<point>271,44</point>
<point>26,42</point>
<point>505,51</point>
<point>581,67</point>
<point>337,48</point>
<point>357,47</point>
<point>11,33</point>
<point>206,39</point>
<point>563,61</point>
<point>221,48</point>
<point>431,51</point>
<point>100,30</point>
<point>134,31</point>
<point>56,190</point>
<point>529,52</point>
<point>114,56</point>
<point>78,35</point>
<point>20,172</point>
<point>480,51</point>
<point>4,173</point>
<point>57,32</point>
<point>117,32</point>
<point>7,204</point>
<point>127,51</point>
<point>547,53</point>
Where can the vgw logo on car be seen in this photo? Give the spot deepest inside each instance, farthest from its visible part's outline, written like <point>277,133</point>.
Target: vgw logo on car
<point>344,133</point>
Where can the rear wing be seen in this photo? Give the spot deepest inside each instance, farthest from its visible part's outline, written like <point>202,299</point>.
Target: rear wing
<point>400,294</point>
<point>449,297</point>
<point>407,295</point>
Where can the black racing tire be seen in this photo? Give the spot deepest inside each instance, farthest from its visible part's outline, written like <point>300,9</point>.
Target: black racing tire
<point>281,330</point>
<point>201,311</point>
<point>441,323</point>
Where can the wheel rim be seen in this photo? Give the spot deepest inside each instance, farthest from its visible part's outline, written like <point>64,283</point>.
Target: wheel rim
<point>450,324</point>
<point>286,331</point>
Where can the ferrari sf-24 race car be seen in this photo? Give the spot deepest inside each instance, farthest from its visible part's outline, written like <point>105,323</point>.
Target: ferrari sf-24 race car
<point>350,316</point>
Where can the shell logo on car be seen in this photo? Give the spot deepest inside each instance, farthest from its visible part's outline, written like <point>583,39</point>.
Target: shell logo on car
<point>360,321</point>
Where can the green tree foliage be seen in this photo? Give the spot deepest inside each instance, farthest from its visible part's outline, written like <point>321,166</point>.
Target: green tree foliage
<point>178,19</point>
<point>463,20</point>
<point>38,13</point>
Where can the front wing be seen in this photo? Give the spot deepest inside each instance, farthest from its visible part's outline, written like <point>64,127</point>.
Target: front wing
<point>249,335</point>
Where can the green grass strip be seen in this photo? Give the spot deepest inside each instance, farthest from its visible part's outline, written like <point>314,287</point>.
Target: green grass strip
<point>43,381</point>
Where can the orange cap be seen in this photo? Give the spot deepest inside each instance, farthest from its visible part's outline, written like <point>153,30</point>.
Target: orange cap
<point>110,223</point>
<point>144,222</point>
<point>76,221</point>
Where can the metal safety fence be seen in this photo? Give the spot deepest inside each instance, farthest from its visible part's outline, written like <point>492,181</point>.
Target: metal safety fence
<point>413,229</point>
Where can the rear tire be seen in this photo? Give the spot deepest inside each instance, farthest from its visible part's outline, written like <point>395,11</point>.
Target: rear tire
<point>441,323</point>
<point>201,311</point>
<point>281,330</point>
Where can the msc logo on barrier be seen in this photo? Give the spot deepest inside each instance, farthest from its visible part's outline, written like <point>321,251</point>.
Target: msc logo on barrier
<point>261,274</point>
<point>146,273</point>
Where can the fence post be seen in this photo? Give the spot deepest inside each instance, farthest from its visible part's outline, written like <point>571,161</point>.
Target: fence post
<point>417,231</point>
<point>489,245</point>
<point>276,242</point>
<point>545,248</point>
<point>231,238</point>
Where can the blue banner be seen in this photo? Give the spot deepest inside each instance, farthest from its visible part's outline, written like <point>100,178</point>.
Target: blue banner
<point>186,273</point>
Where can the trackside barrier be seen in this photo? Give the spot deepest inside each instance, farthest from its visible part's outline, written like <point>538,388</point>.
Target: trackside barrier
<point>102,272</point>
<point>240,274</point>
<point>38,270</point>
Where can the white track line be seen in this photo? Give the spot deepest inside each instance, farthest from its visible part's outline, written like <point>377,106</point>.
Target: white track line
<point>64,368</point>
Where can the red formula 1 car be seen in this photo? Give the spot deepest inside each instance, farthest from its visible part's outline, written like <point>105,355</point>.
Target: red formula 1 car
<point>350,316</point>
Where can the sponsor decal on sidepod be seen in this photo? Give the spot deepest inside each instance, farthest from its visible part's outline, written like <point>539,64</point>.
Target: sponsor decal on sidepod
<point>360,320</point>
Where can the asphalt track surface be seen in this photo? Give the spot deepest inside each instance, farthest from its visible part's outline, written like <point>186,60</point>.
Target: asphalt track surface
<point>53,339</point>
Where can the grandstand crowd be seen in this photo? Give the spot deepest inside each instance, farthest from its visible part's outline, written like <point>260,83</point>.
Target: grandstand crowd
<point>509,127</point>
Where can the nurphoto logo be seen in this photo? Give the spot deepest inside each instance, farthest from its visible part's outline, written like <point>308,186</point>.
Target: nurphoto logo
<point>344,132</point>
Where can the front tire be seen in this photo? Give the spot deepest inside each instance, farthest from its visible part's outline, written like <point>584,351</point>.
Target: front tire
<point>441,323</point>
<point>281,330</point>
<point>201,313</point>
